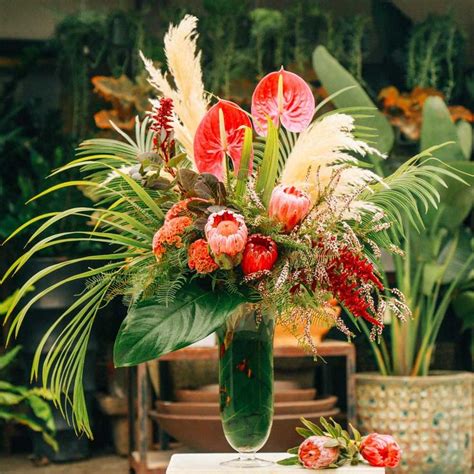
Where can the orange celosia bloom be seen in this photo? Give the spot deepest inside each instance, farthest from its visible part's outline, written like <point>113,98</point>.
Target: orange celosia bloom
<point>170,234</point>
<point>199,258</point>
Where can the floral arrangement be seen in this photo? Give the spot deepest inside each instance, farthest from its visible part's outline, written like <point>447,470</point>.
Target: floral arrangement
<point>330,446</point>
<point>211,207</point>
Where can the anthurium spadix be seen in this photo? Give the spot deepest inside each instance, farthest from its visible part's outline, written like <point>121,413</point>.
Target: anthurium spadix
<point>285,98</point>
<point>220,134</point>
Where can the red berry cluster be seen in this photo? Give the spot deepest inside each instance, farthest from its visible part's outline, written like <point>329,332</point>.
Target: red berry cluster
<point>346,274</point>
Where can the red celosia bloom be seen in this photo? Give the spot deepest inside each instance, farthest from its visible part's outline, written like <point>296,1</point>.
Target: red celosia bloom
<point>346,274</point>
<point>220,133</point>
<point>199,258</point>
<point>161,125</point>
<point>284,97</point>
<point>181,208</point>
<point>381,450</point>
<point>313,453</point>
<point>260,254</point>
<point>170,234</point>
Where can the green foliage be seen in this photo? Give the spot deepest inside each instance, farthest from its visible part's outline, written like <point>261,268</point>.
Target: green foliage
<point>267,31</point>
<point>437,127</point>
<point>435,50</point>
<point>89,41</point>
<point>152,329</point>
<point>335,78</point>
<point>25,406</point>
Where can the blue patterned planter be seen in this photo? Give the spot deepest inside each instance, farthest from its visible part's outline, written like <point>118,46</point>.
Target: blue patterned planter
<point>431,418</point>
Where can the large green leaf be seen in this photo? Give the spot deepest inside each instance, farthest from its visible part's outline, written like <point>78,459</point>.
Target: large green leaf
<point>151,330</point>
<point>456,199</point>
<point>464,131</point>
<point>334,78</point>
<point>437,127</point>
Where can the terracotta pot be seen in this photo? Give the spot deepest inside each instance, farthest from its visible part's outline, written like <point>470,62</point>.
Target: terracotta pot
<point>431,418</point>
<point>204,433</point>
<point>212,409</point>
<point>203,396</point>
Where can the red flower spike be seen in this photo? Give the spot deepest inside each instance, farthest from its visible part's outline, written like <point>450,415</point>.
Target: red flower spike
<point>284,97</point>
<point>220,132</point>
<point>260,254</point>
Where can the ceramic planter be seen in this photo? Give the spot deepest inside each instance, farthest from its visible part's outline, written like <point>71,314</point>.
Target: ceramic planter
<point>431,418</point>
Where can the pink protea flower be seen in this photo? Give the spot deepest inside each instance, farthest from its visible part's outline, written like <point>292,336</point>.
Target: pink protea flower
<point>381,450</point>
<point>199,258</point>
<point>226,234</point>
<point>288,205</point>
<point>314,455</point>
<point>170,234</point>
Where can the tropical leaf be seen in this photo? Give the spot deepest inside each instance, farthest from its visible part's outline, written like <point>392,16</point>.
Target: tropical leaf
<point>151,329</point>
<point>267,172</point>
<point>438,127</point>
<point>335,79</point>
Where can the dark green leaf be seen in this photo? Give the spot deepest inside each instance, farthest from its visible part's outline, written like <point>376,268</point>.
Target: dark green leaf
<point>151,330</point>
<point>7,358</point>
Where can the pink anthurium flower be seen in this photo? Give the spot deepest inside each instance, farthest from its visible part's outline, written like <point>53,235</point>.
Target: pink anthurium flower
<point>220,133</point>
<point>284,97</point>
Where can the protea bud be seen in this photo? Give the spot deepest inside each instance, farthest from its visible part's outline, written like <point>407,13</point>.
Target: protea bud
<point>288,205</point>
<point>226,234</point>
<point>260,254</point>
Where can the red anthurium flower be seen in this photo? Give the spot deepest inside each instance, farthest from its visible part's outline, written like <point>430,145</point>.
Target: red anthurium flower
<point>220,132</point>
<point>284,97</point>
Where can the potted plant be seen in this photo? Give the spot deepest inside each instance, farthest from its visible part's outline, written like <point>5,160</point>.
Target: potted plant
<point>216,222</point>
<point>425,411</point>
<point>23,405</point>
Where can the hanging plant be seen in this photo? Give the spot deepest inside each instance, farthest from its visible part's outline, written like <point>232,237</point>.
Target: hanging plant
<point>434,55</point>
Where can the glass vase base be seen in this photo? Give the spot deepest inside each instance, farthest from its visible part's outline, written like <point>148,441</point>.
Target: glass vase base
<point>246,462</point>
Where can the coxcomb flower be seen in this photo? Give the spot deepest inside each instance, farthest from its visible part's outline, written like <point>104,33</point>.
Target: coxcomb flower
<point>260,254</point>
<point>199,258</point>
<point>284,97</point>
<point>380,450</point>
<point>313,453</point>
<point>181,208</point>
<point>226,234</point>
<point>170,234</point>
<point>289,206</point>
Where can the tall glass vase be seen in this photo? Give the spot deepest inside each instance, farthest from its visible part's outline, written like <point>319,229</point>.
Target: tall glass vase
<point>246,382</point>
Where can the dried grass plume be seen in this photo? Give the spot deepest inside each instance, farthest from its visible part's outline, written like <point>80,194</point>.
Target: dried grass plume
<point>184,64</point>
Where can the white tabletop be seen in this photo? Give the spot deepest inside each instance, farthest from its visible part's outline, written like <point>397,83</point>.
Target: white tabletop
<point>210,464</point>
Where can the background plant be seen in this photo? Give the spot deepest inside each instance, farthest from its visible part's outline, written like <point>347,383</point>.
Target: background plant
<point>437,266</point>
<point>26,406</point>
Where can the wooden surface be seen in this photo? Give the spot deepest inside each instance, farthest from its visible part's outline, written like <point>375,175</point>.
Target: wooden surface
<point>285,348</point>
<point>210,464</point>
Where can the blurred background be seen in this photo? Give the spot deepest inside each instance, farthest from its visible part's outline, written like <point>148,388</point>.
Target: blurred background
<point>68,67</point>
